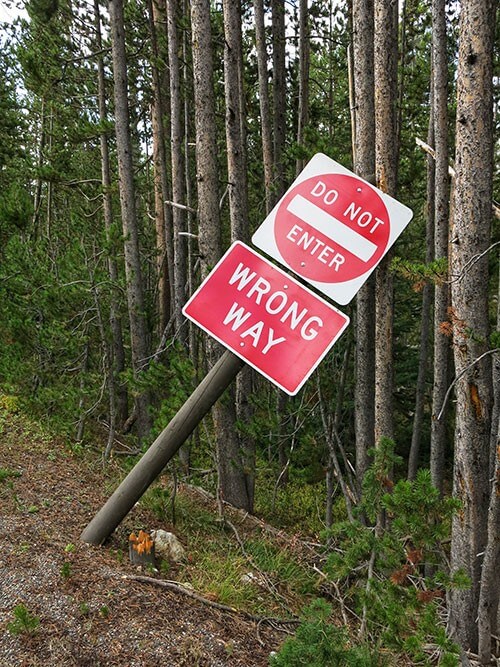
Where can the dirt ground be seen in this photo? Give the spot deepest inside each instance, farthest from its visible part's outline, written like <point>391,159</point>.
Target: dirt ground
<point>89,613</point>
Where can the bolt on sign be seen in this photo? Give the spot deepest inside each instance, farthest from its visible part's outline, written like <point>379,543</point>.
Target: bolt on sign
<point>332,228</point>
<point>266,317</point>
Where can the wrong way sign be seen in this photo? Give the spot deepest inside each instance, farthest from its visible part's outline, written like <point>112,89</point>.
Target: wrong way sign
<point>266,317</point>
<point>332,228</point>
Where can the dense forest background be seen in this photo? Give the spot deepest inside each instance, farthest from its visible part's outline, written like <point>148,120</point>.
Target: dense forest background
<point>138,139</point>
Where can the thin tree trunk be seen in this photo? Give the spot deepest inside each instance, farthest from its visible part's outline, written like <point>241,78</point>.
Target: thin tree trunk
<point>279,92</point>
<point>163,215</point>
<point>265,111</point>
<point>118,350</point>
<point>385,57</point>
<point>133,271</point>
<point>441,217</point>
<point>490,587</point>
<point>37,201</point>
<point>425,331</point>
<point>209,231</point>
<point>237,460</point>
<point>331,434</point>
<point>304,60</point>
<point>364,166</point>
<point>178,172</point>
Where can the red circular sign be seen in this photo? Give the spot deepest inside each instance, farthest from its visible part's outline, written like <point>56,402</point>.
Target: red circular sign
<point>332,228</point>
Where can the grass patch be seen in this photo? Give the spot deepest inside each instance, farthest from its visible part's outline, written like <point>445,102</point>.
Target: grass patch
<point>8,473</point>
<point>298,506</point>
<point>257,575</point>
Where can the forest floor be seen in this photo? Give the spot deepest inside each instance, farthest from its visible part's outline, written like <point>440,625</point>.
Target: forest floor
<point>86,606</point>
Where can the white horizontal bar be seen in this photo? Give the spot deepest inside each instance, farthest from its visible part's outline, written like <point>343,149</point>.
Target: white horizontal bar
<point>334,229</point>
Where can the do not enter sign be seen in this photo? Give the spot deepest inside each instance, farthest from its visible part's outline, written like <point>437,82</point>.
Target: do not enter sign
<point>332,228</point>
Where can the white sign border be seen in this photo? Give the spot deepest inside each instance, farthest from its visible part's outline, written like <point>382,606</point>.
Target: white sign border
<point>289,278</point>
<point>342,292</point>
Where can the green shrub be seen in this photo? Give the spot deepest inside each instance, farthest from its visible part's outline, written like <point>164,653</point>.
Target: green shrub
<point>380,561</point>
<point>319,643</point>
<point>24,622</point>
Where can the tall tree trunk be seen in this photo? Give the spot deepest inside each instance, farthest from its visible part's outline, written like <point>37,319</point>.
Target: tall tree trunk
<point>495,415</point>
<point>489,594</point>
<point>304,60</point>
<point>470,236</point>
<point>135,294</point>
<point>386,52</point>
<point>441,218</point>
<point>364,166</point>
<point>265,110</point>
<point>117,352</point>
<point>37,200</point>
<point>209,232</point>
<point>237,461</point>
<point>425,330</point>
<point>163,216</point>
<point>279,92</point>
<point>178,173</point>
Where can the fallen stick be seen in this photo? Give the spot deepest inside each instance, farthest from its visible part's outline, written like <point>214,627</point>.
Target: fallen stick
<point>178,588</point>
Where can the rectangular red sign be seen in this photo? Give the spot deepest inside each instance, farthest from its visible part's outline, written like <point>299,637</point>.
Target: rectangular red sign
<point>266,317</point>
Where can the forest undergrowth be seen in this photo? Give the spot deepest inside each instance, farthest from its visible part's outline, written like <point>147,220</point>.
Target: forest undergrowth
<point>351,595</point>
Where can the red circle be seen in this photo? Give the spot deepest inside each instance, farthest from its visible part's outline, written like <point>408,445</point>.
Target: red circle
<point>321,256</point>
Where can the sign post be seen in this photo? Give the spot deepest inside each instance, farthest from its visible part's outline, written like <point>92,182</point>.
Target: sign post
<point>170,440</point>
<point>332,228</point>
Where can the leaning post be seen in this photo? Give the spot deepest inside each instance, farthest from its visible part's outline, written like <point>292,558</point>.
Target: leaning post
<point>163,449</point>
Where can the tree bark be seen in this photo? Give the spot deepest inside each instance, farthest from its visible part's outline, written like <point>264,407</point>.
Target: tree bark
<point>304,61</point>
<point>163,215</point>
<point>117,351</point>
<point>385,56</point>
<point>425,331</point>
<point>470,236</point>
<point>133,271</point>
<point>209,232</point>
<point>178,172</point>
<point>279,92</point>
<point>490,587</point>
<point>265,110</point>
<point>364,166</point>
<point>441,217</point>
<point>236,453</point>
